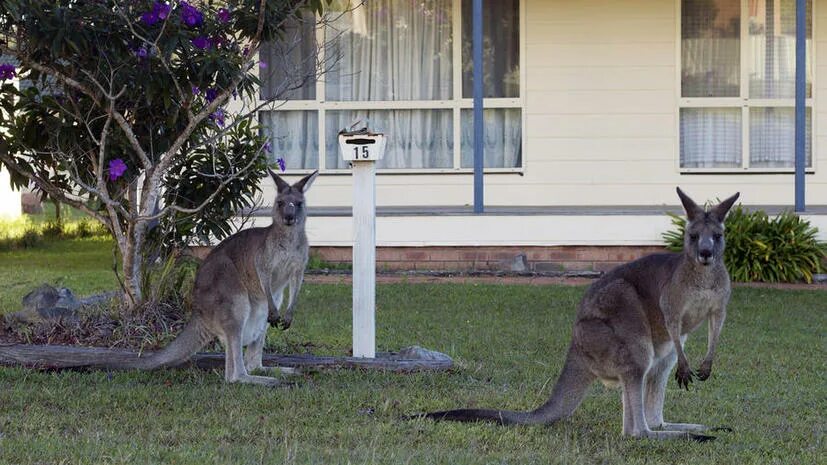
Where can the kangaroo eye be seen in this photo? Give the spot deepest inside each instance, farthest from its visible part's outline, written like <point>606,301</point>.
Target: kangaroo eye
<point>717,236</point>
<point>299,203</point>
<point>693,237</point>
<point>280,203</point>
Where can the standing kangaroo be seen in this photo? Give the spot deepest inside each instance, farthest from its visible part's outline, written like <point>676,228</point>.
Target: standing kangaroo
<point>239,289</point>
<point>630,329</point>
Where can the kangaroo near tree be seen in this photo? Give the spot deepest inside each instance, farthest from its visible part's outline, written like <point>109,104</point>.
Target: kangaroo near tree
<point>630,329</point>
<point>239,289</point>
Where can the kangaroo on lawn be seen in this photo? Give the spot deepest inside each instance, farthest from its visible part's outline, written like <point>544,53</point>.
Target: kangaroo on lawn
<point>239,289</point>
<point>630,329</point>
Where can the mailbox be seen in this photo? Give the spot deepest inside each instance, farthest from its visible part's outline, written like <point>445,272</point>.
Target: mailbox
<point>361,145</point>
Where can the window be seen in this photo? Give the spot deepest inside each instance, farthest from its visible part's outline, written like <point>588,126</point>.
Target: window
<point>395,66</point>
<point>738,85</point>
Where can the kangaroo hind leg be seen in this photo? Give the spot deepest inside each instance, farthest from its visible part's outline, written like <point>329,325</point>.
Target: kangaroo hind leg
<point>235,370</point>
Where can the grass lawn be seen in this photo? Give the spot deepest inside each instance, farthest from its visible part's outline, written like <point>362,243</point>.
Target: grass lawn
<point>768,384</point>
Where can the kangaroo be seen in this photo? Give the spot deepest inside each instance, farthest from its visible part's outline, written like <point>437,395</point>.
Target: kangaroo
<point>630,329</point>
<point>239,289</point>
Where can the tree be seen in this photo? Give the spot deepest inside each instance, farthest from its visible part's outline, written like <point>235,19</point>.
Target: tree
<point>126,116</point>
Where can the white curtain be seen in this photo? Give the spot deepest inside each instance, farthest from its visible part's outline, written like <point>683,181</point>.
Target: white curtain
<point>394,50</point>
<point>293,136</point>
<point>710,67</point>
<point>391,50</point>
<point>772,137</point>
<point>288,66</point>
<point>503,138</point>
<point>772,49</point>
<point>710,137</point>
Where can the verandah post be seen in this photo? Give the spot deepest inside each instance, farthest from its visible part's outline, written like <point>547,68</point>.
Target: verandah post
<point>479,134</point>
<point>800,94</point>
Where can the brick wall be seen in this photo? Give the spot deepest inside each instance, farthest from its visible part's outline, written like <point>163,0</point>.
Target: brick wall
<point>539,259</point>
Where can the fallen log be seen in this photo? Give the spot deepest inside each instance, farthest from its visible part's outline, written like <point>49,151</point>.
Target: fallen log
<point>56,357</point>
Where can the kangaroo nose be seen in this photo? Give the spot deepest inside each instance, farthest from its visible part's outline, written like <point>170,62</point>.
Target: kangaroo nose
<point>706,254</point>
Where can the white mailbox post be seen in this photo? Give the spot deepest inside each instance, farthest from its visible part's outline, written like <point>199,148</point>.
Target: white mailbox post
<point>363,148</point>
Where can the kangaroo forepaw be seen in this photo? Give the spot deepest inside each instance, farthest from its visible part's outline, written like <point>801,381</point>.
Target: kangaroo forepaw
<point>284,323</point>
<point>701,437</point>
<point>684,376</point>
<point>704,371</point>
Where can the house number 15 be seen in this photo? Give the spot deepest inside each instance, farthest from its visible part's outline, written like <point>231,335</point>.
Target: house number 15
<point>364,151</point>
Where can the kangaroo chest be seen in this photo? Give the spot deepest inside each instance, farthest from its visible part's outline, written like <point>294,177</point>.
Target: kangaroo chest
<point>698,304</point>
<point>285,265</point>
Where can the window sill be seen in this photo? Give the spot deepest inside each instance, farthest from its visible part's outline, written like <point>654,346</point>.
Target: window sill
<point>785,171</point>
<point>416,172</point>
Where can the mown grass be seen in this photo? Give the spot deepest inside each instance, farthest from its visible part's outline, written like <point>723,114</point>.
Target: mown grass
<point>508,342</point>
<point>32,231</point>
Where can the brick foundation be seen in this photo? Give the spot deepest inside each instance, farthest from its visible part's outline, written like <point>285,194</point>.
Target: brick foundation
<point>537,259</point>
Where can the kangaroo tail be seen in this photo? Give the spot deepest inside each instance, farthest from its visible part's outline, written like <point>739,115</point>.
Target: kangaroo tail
<point>194,336</point>
<point>565,397</point>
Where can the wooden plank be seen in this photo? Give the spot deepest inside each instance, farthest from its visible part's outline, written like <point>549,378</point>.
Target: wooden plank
<point>51,357</point>
<point>364,259</point>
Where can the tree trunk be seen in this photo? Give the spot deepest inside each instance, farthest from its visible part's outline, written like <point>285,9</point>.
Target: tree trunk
<point>132,279</point>
<point>58,218</point>
<point>132,267</point>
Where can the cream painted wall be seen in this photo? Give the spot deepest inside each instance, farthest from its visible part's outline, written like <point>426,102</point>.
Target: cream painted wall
<point>10,206</point>
<point>601,93</point>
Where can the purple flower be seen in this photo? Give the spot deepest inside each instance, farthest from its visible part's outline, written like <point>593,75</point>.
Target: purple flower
<point>116,169</point>
<point>190,15</point>
<point>201,42</point>
<point>282,165</point>
<point>196,90</point>
<point>7,71</point>
<point>149,18</point>
<point>161,9</point>
<point>211,94</point>
<point>218,118</point>
<point>262,64</point>
<point>245,51</point>
<point>142,52</point>
<point>223,15</point>
<point>268,147</point>
<point>159,12</point>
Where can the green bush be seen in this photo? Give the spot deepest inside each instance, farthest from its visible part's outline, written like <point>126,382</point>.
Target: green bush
<point>169,280</point>
<point>52,230</point>
<point>760,248</point>
<point>30,238</point>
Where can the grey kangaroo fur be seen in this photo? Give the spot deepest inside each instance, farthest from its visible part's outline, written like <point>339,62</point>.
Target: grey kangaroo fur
<point>630,329</point>
<point>239,289</point>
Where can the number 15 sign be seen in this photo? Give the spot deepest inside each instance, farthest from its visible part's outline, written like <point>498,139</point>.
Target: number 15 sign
<point>361,146</point>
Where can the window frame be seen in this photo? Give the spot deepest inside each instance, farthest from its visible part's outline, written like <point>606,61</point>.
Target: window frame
<point>321,106</point>
<point>743,101</point>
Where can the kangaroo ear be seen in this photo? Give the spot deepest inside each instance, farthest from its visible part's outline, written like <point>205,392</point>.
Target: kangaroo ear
<point>281,184</point>
<point>692,209</point>
<point>304,184</point>
<point>722,208</point>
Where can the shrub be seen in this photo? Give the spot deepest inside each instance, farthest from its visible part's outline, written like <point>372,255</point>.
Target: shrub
<point>85,228</point>
<point>760,248</point>
<point>52,230</point>
<point>30,238</point>
<point>169,280</point>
